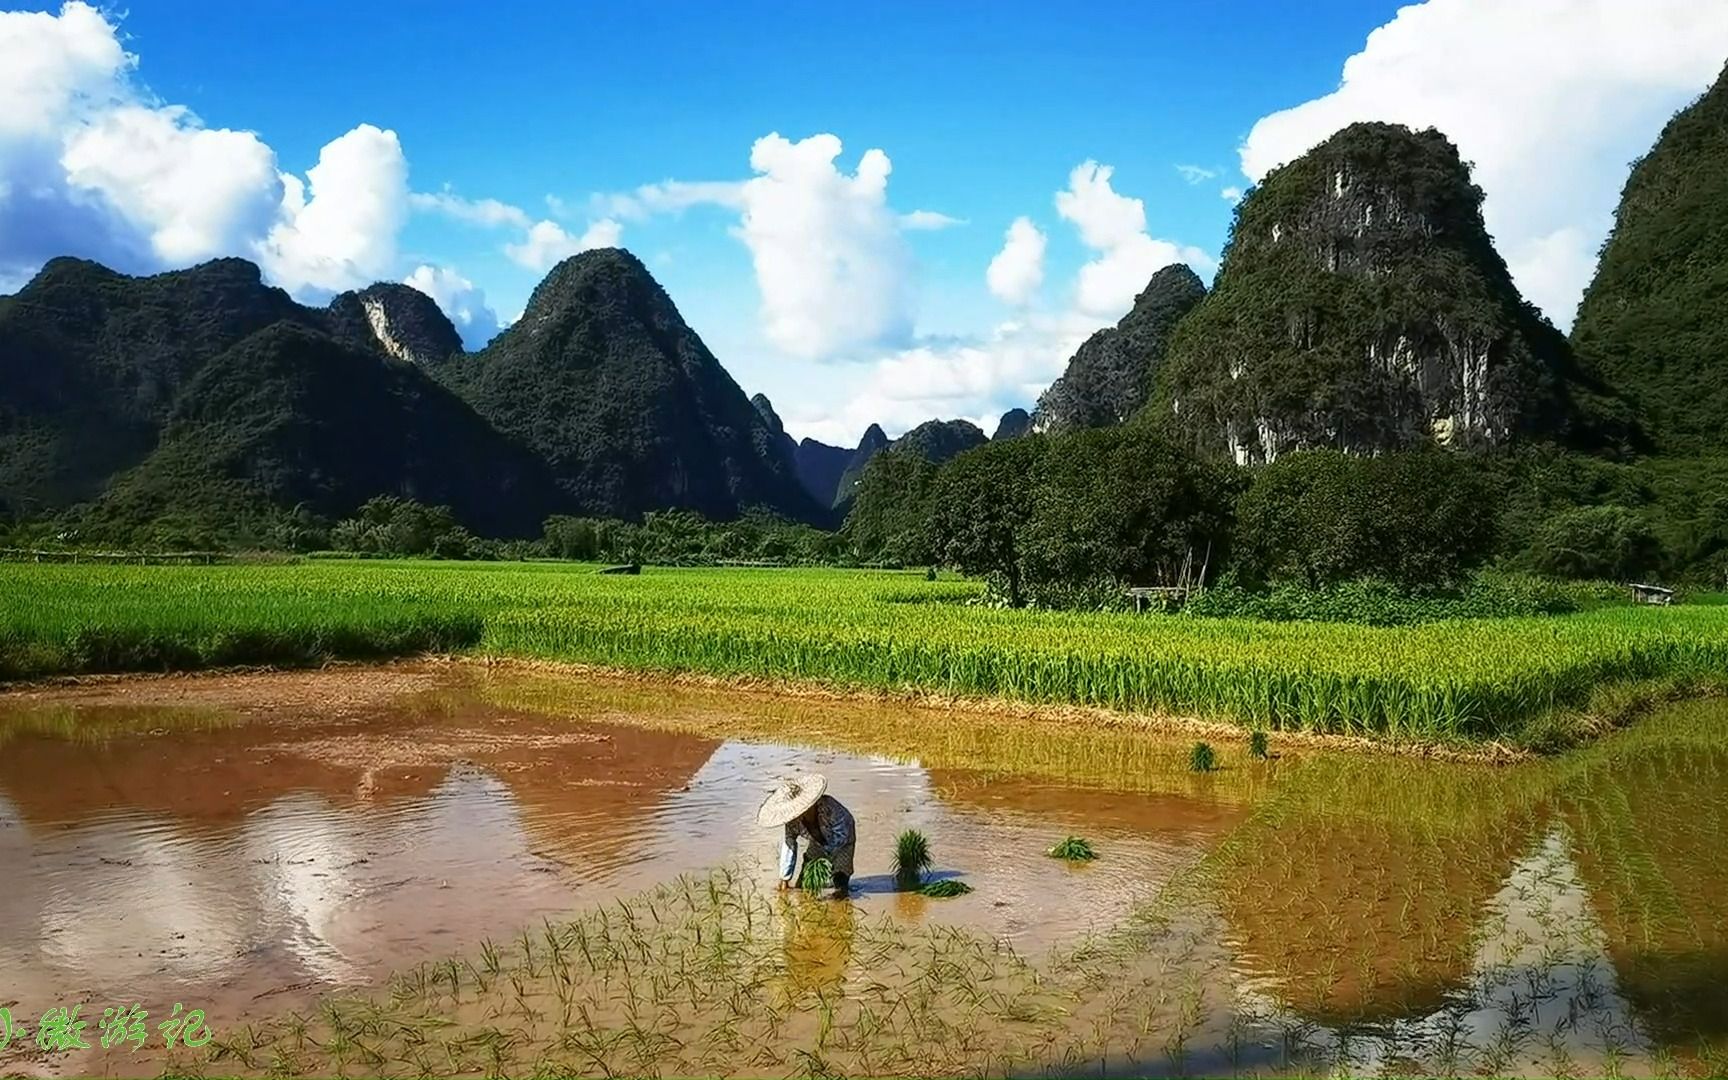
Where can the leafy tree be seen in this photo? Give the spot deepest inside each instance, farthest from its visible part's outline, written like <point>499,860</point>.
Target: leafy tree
<point>1321,517</point>
<point>980,504</point>
<point>1125,505</point>
<point>890,516</point>
<point>1599,542</point>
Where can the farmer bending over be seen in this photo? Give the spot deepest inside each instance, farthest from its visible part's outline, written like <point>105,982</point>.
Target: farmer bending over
<point>804,807</point>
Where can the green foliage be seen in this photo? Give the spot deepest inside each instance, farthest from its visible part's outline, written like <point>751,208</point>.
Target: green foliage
<point>1651,321</point>
<point>683,538</point>
<point>1074,849</point>
<point>1598,542</point>
<point>981,503</point>
<point>911,857</point>
<point>818,874</point>
<point>945,888</point>
<point>1371,602</point>
<point>889,521</point>
<point>1323,517</point>
<point>1259,745</point>
<point>1202,758</point>
<point>1121,506</point>
<point>1110,376</point>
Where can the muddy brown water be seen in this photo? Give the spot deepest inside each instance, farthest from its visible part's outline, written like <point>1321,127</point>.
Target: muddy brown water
<point>248,844</point>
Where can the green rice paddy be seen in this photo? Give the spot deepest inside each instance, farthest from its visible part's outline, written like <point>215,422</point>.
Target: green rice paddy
<point>1526,680</point>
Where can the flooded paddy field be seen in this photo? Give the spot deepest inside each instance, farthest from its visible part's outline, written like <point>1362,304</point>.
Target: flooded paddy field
<point>436,869</point>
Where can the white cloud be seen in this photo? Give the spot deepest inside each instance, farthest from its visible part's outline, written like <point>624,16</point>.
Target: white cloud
<point>547,243</point>
<point>92,164</point>
<point>194,192</point>
<point>1114,226</point>
<point>977,380</point>
<point>1231,194</point>
<point>1548,98</point>
<point>666,197</point>
<point>338,230</point>
<point>460,300</point>
<point>1017,270</point>
<point>831,263</point>
<point>488,212</point>
<point>928,221</point>
<point>1196,174</point>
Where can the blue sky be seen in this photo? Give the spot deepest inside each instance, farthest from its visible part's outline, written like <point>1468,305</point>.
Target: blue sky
<point>187,130</point>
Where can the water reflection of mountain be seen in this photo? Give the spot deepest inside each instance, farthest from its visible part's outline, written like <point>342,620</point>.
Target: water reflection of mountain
<point>1650,814</point>
<point>1354,893</point>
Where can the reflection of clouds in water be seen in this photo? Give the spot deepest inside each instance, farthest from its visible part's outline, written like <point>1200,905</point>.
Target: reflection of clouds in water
<point>139,905</point>
<point>300,851</point>
<point>1541,991</point>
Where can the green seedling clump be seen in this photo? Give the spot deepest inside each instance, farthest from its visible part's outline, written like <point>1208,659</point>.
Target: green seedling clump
<point>818,874</point>
<point>911,857</point>
<point>1074,849</point>
<point>1258,745</point>
<point>944,888</point>
<point>1202,758</point>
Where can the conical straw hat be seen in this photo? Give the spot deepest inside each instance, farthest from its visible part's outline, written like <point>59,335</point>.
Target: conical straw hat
<point>791,798</point>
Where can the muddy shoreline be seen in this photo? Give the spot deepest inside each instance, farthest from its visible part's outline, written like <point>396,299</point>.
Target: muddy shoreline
<point>367,678</point>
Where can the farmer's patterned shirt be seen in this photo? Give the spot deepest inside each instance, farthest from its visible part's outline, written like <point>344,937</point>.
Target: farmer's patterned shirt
<point>834,838</point>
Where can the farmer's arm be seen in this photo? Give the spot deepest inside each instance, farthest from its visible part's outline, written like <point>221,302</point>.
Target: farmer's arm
<point>788,853</point>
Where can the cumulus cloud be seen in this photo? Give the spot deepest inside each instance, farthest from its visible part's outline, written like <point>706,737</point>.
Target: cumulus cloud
<point>1114,226</point>
<point>192,191</point>
<point>547,243</point>
<point>339,228</point>
<point>833,268</point>
<point>1548,98</point>
<point>93,164</point>
<point>976,380</point>
<point>1017,270</point>
<point>460,300</point>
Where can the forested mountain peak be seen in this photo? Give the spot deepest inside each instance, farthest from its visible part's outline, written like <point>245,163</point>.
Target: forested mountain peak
<point>1360,305</point>
<point>1651,321</point>
<point>603,378</point>
<point>1013,424</point>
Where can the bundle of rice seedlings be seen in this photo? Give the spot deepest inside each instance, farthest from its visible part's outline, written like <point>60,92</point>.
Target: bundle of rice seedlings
<point>1202,758</point>
<point>1074,849</point>
<point>818,875</point>
<point>945,887</point>
<point>911,857</point>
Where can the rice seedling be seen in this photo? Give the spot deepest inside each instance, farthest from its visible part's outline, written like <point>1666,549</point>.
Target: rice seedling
<point>911,857</point>
<point>818,874</point>
<point>944,888</point>
<point>1202,758</point>
<point>1258,744</point>
<point>1074,849</point>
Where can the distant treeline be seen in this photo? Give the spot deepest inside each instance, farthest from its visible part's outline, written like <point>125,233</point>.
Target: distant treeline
<point>1069,520</point>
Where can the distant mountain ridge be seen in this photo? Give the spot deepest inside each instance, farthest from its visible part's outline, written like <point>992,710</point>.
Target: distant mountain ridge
<point>205,393</point>
<point>935,441</point>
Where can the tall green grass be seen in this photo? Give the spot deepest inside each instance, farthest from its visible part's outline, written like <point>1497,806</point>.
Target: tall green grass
<point>1461,680</point>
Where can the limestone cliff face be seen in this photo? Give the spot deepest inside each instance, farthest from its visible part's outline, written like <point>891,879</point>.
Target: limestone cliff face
<point>1110,375</point>
<point>398,320</point>
<point>1361,306</point>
